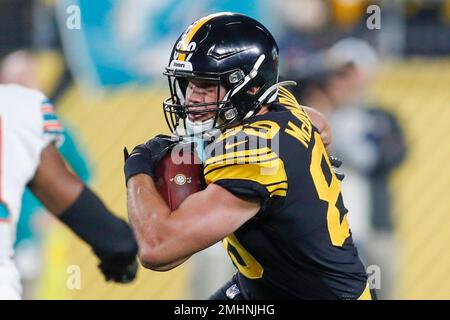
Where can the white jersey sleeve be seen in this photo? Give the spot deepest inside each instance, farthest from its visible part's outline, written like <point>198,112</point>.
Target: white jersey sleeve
<point>27,125</point>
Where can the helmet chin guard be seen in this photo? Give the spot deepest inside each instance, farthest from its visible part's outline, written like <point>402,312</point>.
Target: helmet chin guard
<point>200,129</point>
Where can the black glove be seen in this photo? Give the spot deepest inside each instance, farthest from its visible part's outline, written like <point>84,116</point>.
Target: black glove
<point>145,157</point>
<point>119,271</point>
<point>117,255</point>
<point>336,163</point>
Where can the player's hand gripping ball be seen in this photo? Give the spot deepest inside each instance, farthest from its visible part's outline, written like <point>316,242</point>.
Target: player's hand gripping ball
<point>173,165</point>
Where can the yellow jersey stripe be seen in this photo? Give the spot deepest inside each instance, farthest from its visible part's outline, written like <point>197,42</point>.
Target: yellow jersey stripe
<point>229,133</point>
<point>234,162</point>
<point>285,92</point>
<point>241,153</point>
<point>271,175</point>
<point>244,159</point>
<point>288,99</point>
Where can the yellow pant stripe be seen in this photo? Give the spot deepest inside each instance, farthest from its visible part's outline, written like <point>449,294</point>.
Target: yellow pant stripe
<point>366,295</point>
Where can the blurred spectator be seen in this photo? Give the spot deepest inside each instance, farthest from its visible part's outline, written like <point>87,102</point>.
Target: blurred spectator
<point>368,140</point>
<point>427,27</point>
<point>347,13</point>
<point>15,24</point>
<point>30,25</point>
<point>19,67</point>
<point>309,26</point>
<point>407,27</point>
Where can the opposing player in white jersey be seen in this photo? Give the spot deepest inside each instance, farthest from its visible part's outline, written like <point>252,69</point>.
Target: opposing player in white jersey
<point>29,132</point>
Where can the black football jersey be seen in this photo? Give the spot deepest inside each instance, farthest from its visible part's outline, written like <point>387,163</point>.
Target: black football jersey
<point>299,245</point>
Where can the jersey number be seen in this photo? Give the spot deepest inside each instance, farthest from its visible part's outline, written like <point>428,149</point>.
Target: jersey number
<point>242,259</point>
<point>339,231</point>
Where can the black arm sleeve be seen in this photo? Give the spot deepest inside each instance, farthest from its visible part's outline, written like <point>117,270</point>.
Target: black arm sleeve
<point>111,238</point>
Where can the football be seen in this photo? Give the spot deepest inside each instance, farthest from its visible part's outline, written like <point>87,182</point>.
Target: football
<point>175,180</point>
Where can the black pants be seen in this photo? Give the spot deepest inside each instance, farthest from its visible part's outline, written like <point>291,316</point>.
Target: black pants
<point>232,291</point>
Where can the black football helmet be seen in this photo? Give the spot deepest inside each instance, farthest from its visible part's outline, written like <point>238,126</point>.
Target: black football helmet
<point>227,49</point>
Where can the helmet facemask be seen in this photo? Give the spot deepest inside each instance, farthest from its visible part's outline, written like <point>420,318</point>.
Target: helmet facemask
<point>177,110</point>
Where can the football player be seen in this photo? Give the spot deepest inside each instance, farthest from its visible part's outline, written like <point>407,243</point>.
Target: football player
<point>272,196</point>
<point>29,131</point>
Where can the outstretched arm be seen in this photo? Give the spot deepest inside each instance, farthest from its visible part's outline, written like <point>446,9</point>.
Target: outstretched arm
<point>53,184</point>
<point>80,209</point>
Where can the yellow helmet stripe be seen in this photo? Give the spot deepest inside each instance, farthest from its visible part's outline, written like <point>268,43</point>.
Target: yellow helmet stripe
<point>191,33</point>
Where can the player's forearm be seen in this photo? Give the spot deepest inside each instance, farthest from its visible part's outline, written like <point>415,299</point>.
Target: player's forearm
<point>169,266</point>
<point>165,238</point>
<point>149,216</point>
